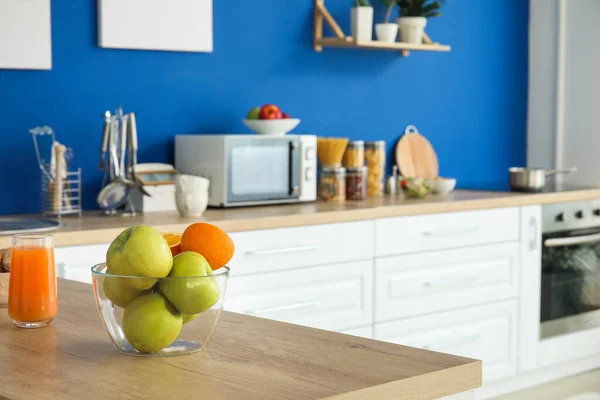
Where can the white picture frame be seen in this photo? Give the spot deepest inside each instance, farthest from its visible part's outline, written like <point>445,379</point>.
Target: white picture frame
<point>170,25</point>
<point>25,34</point>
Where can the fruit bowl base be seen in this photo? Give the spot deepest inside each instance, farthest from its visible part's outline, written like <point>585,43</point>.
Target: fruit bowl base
<point>177,348</point>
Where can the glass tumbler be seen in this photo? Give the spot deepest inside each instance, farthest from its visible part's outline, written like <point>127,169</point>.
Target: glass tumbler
<point>32,296</point>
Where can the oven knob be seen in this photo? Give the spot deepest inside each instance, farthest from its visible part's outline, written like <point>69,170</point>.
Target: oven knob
<point>560,217</point>
<point>597,212</point>
<point>309,154</point>
<point>309,174</point>
<point>579,214</point>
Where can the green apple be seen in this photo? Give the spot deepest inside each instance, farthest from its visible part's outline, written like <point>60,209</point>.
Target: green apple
<point>195,294</point>
<point>188,317</point>
<point>139,251</point>
<point>117,292</point>
<point>150,323</point>
<point>253,113</point>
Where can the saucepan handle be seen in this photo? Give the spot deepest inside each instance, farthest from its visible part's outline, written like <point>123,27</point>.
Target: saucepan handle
<point>561,171</point>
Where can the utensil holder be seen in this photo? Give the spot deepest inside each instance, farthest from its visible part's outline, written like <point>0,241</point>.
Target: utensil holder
<point>63,200</point>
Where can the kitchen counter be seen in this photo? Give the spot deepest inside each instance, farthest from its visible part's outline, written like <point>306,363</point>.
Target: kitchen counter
<point>97,228</point>
<point>247,358</point>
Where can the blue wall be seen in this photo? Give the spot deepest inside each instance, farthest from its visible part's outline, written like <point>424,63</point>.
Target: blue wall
<point>470,103</point>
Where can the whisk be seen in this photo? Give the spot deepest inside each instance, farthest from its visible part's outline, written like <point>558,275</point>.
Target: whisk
<point>331,150</point>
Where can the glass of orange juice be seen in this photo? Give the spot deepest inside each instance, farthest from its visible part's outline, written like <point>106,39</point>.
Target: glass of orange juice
<point>32,297</point>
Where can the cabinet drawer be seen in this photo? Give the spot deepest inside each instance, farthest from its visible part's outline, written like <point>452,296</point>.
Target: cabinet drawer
<point>423,283</point>
<point>364,331</point>
<point>442,231</point>
<point>487,333</point>
<point>74,263</point>
<point>280,249</point>
<point>332,297</point>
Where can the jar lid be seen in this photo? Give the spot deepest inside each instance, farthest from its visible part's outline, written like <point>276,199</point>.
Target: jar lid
<point>377,143</point>
<point>333,170</point>
<point>356,143</point>
<point>359,170</point>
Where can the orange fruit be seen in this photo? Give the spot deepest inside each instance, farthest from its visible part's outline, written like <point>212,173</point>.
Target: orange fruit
<point>174,242</point>
<point>210,241</point>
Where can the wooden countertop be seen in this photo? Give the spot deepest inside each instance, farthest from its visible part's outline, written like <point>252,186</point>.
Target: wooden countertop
<point>97,228</point>
<point>248,358</point>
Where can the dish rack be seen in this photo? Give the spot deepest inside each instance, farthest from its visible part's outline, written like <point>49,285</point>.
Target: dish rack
<point>66,201</point>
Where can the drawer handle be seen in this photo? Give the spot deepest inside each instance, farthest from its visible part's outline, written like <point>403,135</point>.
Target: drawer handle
<point>451,231</point>
<point>452,342</point>
<point>287,307</point>
<point>296,249</point>
<point>452,281</point>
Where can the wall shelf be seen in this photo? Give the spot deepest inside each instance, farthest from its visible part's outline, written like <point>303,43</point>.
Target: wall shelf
<point>322,15</point>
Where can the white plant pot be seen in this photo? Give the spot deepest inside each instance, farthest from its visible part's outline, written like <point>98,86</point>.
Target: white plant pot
<point>411,29</point>
<point>387,33</point>
<point>362,23</point>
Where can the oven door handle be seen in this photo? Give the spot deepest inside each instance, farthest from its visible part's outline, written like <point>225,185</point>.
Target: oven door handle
<point>569,241</point>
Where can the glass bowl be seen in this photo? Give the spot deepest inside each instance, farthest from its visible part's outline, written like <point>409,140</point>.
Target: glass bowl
<point>145,323</point>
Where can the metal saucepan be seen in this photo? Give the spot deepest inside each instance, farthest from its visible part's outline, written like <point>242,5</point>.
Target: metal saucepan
<point>532,179</point>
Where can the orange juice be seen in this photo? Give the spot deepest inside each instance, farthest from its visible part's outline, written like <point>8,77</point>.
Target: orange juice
<point>32,298</point>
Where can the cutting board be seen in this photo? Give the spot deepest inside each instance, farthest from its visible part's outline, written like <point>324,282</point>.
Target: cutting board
<point>415,156</point>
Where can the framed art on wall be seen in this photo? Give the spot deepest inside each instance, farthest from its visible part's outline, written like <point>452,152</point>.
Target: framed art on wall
<point>172,25</point>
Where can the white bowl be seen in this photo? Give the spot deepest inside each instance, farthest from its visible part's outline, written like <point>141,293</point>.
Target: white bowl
<point>444,185</point>
<point>272,127</point>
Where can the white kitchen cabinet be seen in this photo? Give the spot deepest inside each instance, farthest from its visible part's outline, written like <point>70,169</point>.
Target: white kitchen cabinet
<point>419,233</point>
<point>423,283</point>
<point>363,331</point>
<point>75,262</point>
<point>531,276</point>
<point>487,333</point>
<point>332,297</point>
<point>281,249</point>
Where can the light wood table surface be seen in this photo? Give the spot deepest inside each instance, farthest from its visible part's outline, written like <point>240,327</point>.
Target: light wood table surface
<point>95,228</point>
<point>248,358</point>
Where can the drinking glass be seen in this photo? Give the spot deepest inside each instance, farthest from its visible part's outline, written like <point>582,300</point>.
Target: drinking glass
<point>32,297</point>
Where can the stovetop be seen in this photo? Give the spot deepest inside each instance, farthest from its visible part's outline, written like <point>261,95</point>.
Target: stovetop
<point>551,187</point>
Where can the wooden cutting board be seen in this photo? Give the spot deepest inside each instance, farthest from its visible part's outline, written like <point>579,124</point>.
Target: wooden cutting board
<point>415,156</point>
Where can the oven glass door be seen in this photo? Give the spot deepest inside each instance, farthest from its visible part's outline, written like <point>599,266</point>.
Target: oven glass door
<point>263,169</point>
<point>570,298</point>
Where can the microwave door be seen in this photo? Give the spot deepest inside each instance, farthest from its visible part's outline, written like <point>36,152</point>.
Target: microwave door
<point>263,170</point>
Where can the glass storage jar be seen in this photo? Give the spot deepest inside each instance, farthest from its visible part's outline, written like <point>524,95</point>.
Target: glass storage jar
<point>332,183</point>
<point>354,156</point>
<point>375,159</point>
<point>356,183</point>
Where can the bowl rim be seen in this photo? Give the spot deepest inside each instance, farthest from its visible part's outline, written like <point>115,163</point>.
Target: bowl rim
<point>271,120</point>
<point>97,273</point>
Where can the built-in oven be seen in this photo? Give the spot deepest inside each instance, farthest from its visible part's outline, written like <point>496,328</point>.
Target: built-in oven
<point>570,268</point>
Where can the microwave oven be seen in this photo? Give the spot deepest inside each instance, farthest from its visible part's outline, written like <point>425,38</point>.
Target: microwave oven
<point>251,169</point>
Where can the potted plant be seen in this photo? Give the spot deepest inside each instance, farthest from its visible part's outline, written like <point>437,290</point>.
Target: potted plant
<point>387,31</point>
<point>413,18</point>
<point>362,21</point>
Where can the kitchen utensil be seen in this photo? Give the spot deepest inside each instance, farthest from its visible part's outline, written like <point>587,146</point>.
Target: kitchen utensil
<point>181,341</point>
<point>132,157</point>
<point>105,139</point>
<point>272,127</point>
<point>36,134</point>
<point>122,145</point>
<point>59,174</point>
<point>532,179</point>
<point>415,156</point>
<point>331,150</point>
<point>113,195</point>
